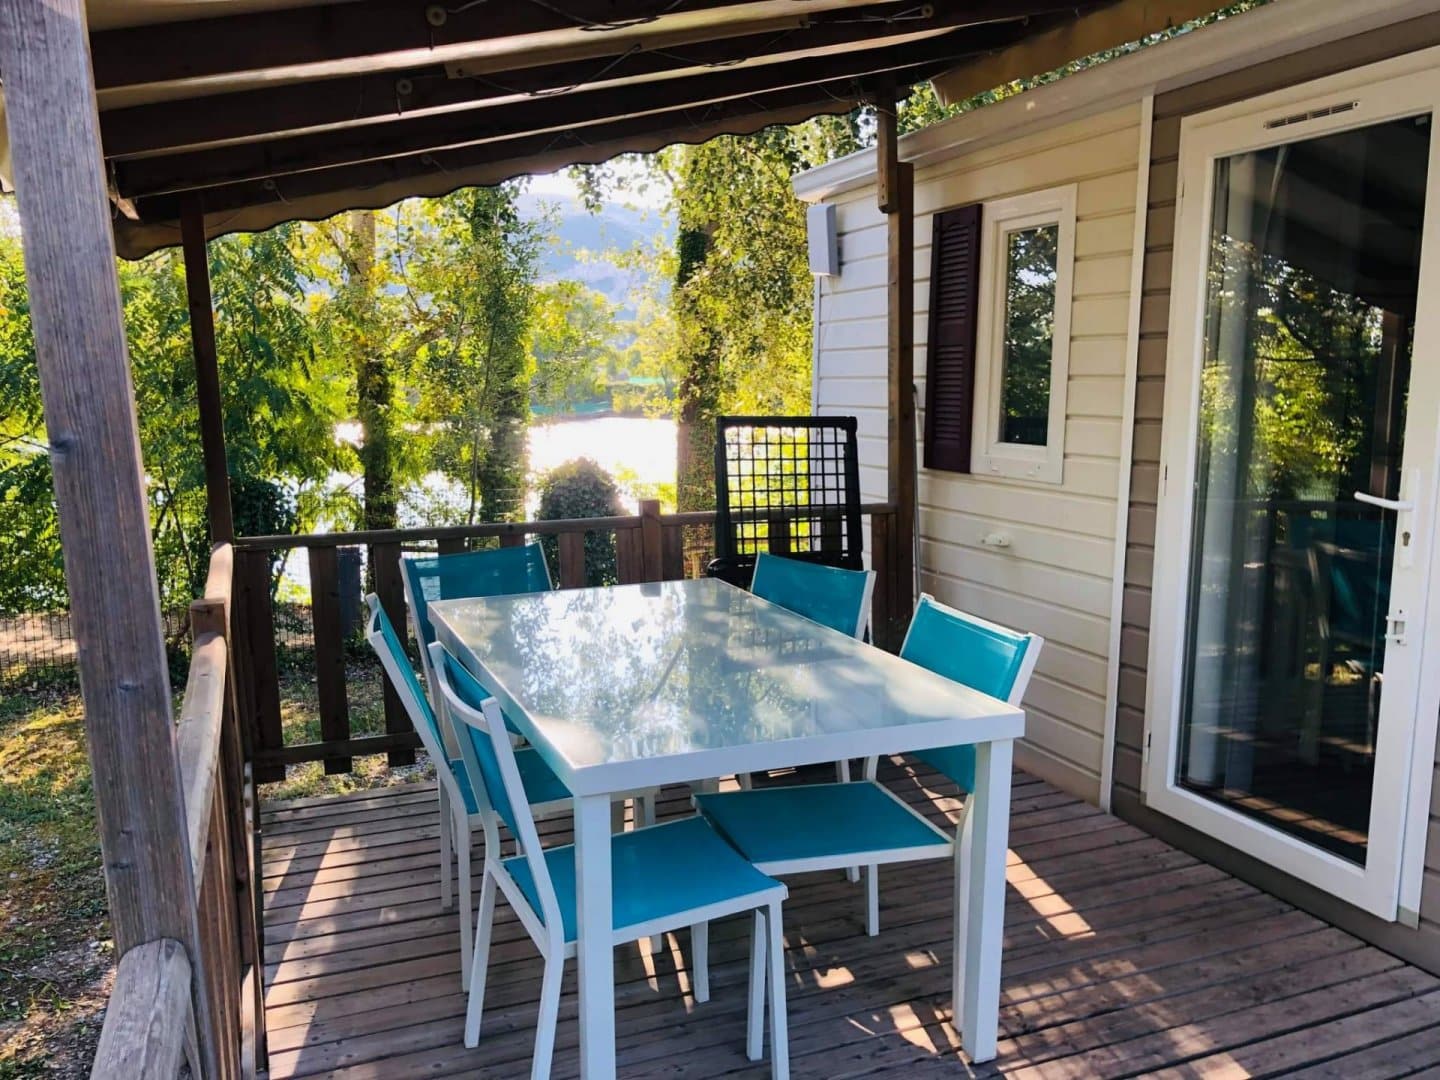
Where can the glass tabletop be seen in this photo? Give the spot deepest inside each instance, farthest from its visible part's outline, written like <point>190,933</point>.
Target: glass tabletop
<point>671,672</point>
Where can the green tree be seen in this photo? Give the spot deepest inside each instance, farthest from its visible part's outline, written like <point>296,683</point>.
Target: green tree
<point>570,345</point>
<point>470,278</point>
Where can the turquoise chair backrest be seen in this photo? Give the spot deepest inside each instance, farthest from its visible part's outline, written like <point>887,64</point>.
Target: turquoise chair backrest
<point>828,595</point>
<point>501,572</point>
<point>469,691</point>
<point>402,673</point>
<point>975,653</point>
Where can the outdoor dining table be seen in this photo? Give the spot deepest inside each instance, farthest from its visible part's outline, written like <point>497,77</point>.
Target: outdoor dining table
<point>679,682</point>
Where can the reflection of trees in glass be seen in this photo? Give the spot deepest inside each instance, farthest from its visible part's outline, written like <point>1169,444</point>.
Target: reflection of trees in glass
<point>688,670</point>
<point>1312,353</point>
<point>1030,273</point>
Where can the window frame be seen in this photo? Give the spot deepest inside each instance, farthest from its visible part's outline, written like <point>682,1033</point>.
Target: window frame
<point>1000,218</point>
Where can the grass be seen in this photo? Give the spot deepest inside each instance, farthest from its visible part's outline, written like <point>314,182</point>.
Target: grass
<point>300,719</point>
<point>55,951</point>
<point>56,956</point>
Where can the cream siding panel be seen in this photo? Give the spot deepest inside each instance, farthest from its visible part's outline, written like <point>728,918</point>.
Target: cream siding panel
<point>1055,575</point>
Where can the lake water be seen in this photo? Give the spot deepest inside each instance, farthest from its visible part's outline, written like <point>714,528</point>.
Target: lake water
<point>639,452</point>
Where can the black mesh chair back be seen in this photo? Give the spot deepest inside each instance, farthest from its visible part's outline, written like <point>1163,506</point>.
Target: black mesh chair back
<point>789,485</point>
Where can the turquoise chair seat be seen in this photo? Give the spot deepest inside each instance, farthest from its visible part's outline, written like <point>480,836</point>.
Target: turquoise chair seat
<point>820,826</point>
<point>655,873</point>
<point>541,783</point>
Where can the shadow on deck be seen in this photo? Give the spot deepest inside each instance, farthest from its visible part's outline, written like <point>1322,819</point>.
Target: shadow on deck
<point>1123,956</point>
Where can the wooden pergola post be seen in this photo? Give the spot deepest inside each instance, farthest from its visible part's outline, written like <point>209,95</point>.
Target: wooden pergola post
<point>207,370</point>
<point>99,481</point>
<point>895,192</point>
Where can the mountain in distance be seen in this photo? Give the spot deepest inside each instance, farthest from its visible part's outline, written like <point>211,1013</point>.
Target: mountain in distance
<point>615,228</point>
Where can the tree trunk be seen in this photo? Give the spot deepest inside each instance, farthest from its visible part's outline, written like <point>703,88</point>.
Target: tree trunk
<point>699,384</point>
<point>374,387</point>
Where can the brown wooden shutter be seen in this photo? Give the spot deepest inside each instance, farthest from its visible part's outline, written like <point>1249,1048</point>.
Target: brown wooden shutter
<point>950,350</point>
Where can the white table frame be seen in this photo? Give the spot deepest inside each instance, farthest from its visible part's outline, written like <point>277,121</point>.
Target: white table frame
<point>980,854</point>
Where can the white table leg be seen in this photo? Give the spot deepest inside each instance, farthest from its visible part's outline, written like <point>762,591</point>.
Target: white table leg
<point>980,901</point>
<point>595,931</point>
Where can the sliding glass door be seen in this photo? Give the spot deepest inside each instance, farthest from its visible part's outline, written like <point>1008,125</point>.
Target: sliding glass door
<point>1298,546</point>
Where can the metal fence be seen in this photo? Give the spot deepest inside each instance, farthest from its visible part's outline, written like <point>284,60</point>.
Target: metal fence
<point>37,650</point>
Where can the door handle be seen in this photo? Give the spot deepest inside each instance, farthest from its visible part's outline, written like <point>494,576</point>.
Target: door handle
<point>1397,505</point>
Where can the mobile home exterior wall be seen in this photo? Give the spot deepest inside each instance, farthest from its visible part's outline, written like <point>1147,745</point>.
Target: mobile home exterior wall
<point>1055,576</point>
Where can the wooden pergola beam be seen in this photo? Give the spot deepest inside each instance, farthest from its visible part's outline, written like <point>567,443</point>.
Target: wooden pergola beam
<point>100,490</point>
<point>510,157</point>
<point>895,194</point>
<point>399,96</point>
<point>378,35</point>
<point>451,130</point>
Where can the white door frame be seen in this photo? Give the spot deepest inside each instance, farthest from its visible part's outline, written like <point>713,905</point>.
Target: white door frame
<point>1404,765</point>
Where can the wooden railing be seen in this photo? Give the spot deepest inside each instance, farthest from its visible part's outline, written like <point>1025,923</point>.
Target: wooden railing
<point>169,1007</point>
<point>649,546</point>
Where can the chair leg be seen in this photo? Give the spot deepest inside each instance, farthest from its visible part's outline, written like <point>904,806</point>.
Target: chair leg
<point>549,1013</point>
<point>755,1019</point>
<point>480,961</point>
<point>700,962</point>
<point>779,1026</point>
<point>467,910</point>
<point>843,776</point>
<point>643,813</point>
<point>872,900</point>
<point>447,897</point>
<point>962,912</point>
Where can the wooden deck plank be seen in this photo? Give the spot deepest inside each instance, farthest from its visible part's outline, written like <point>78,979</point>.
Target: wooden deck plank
<point>1123,957</point>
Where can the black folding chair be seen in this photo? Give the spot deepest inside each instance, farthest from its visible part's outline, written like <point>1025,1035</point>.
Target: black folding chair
<point>789,485</point>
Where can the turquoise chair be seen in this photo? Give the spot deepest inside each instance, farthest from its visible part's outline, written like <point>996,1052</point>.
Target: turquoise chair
<point>665,877</point>
<point>828,595</point>
<point>498,572</point>
<point>543,789</point>
<point>427,578</point>
<point>837,826</point>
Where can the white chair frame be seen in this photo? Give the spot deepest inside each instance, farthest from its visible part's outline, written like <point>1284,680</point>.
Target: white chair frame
<point>643,807</point>
<point>546,927</point>
<point>872,765</point>
<point>454,821</point>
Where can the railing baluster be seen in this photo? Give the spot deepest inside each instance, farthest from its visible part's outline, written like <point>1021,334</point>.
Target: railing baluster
<point>385,573</point>
<point>572,560</point>
<point>652,541</point>
<point>329,654</point>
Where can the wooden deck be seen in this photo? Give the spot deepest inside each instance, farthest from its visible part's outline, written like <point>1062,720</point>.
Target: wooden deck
<point>1123,957</point>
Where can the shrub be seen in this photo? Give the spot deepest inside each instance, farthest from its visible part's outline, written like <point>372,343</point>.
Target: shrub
<point>582,489</point>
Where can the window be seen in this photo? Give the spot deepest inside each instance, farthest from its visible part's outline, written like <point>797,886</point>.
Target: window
<point>1023,335</point>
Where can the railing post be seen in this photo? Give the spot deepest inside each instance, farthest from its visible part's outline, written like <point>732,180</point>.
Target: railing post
<point>100,486</point>
<point>215,615</point>
<point>257,674</point>
<point>572,560</point>
<point>652,540</point>
<point>330,689</point>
